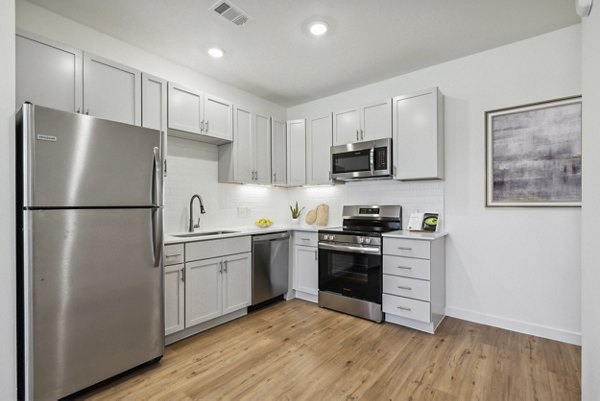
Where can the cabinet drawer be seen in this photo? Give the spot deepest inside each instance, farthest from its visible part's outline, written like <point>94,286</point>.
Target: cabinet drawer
<point>407,267</point>
<point>217,247</point>
<point>306,238</point>
<point>173,254</point>
<point>409,308</point>
<point>406,247</point>
<point>406,287</point>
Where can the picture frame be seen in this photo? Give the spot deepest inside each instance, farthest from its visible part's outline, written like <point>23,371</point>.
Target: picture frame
<point>533,154</point>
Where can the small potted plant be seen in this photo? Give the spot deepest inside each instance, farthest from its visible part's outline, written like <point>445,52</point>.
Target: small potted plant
<point>296,211</point>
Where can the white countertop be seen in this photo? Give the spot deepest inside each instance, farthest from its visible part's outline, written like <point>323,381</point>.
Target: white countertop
<point>415,235</point>
<point>239,232</point>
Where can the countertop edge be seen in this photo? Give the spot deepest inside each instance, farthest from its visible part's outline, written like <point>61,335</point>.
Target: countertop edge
<point>170,239</point>
<point>423,236</point>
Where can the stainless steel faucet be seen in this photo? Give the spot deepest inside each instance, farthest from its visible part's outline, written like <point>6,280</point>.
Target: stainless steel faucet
<point>202,211</point>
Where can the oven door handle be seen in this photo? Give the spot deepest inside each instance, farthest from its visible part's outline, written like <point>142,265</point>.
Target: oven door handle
<point>371,250</point>
<point>372,160</point>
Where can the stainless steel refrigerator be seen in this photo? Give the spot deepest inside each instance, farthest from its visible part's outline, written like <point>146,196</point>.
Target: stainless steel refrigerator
<point>90,280</point>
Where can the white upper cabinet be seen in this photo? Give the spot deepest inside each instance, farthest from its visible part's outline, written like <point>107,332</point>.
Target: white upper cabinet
<point>419,135</point>
<point>48,74</point>
<point>346,126</point>
<point>367,122</point>
<point>154,109</point>
<point>318,143</point>
<point>296,152</point>
<point>199,116</point>
<point>218,121</point>
<point>154,102</point>
<point>248,158</point>
<point>278,152</point>
<point>262,149</point>
<point>185,109</point>
<point>376,120</point>
<point>243,143</point>
<point>111,91</point>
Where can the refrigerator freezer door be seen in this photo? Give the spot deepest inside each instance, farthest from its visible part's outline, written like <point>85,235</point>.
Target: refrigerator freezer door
<point>77,160</point>
<point>95,297</point>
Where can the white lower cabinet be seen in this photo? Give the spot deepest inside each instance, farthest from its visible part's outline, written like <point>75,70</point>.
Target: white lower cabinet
<point>214,281</point>
<point>174,299</point>
<point>216,287</point>
<point>236,282</point>
<point>306,265</point>
<point>203,290</point>
<point>414,282</point>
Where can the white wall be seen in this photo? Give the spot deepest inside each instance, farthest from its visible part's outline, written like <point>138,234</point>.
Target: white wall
<point>517,268</point>
<point>193,169</point>
<point>8,384</point>
<point>591,200</point>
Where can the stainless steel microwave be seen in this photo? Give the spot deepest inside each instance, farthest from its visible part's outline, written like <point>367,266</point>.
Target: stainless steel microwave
<point>367,159</point>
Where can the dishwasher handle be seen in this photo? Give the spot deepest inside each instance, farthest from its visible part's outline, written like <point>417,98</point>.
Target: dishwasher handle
<point>270,237</point>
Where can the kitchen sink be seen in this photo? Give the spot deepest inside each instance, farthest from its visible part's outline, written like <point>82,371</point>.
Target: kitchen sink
<point>203,234</point>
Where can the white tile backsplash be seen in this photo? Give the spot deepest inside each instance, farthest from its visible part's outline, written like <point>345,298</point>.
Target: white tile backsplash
<point>193,170</point>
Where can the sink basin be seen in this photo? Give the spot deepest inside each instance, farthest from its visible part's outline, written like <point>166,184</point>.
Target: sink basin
<point>204,234</point>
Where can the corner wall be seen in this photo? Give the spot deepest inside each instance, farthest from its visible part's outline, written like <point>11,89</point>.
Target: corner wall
<point>8,381</point>
<point>517,268</point>
<point>590,300</point>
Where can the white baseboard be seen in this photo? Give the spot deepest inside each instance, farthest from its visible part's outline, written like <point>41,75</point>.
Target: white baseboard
<point>551,333</point>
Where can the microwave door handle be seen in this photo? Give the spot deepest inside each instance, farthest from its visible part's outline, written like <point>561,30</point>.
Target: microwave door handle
<point>372,160</point>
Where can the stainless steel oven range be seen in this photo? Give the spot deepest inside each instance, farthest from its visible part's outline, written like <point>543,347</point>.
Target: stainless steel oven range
<point>350,260</point>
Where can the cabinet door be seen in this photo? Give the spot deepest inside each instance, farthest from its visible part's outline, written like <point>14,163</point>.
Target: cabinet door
<point>174,299</point>
<point>346,126</point>
<point>237,282</point>
<point>154,109</point>
<point>306,269</point>
<point>243,143</point>
<point>376,120</point>
<point>278,152</point>
<point>154,102</point>
<point>218,118</point>
<point>203,294</point>
<point>318,136</point>
<point>262,149</point>
<point>418,136</point>
<point>185,109</point>
<point>48,74</point>
<point>296,152</point>
<point>111,91</point>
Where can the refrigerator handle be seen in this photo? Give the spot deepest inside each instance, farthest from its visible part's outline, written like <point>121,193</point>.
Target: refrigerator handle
<point>157,229</point>
<point>157,235</point>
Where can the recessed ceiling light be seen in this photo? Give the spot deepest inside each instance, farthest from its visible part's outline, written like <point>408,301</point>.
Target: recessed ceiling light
<point>318,28</point>
<point>216,52</point>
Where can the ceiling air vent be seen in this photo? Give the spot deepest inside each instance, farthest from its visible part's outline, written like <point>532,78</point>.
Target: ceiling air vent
<point>231,12</point>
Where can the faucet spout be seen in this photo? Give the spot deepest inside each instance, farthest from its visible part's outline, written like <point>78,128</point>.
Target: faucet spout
<point>193,226</point>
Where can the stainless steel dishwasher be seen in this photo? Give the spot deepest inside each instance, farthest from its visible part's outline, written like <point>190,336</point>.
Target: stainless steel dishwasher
<point>270,266</point>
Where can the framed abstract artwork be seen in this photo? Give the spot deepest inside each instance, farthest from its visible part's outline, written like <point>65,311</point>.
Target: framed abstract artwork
<point>533,154</point>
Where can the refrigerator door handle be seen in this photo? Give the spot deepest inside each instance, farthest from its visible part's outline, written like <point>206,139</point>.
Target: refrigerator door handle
<point>157,229</point>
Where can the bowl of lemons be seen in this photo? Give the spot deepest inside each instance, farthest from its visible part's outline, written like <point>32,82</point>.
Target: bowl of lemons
<point>263,223</point>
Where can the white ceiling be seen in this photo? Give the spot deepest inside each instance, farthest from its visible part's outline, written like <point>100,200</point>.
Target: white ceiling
<point>273,57</point>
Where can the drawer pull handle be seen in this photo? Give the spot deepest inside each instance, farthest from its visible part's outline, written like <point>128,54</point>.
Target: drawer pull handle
<point>405,288</point>
<point>173,256</point>
<point>404,308</point>
<point>405,267</point>
<point>405,248</point>
<point>305,239</point>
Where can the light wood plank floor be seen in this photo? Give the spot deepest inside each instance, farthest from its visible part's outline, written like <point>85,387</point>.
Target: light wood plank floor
<point>298,351</point>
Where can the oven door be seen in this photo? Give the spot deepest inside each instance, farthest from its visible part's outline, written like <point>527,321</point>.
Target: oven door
<point>351,270</point>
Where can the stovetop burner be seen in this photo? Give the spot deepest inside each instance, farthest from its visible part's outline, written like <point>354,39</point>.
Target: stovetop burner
<point>369,220</point>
